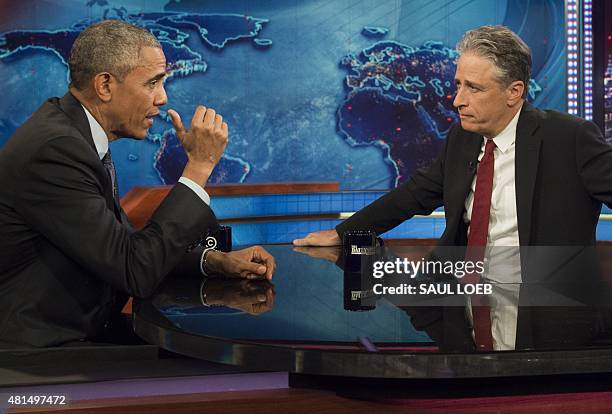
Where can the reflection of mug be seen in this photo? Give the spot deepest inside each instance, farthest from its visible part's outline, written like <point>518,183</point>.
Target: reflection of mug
<point>221,239</point>
<point>358,293</point>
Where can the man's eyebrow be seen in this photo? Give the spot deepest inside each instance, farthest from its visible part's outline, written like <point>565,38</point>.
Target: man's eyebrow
<point>159,76</point>
<point>470,84</point>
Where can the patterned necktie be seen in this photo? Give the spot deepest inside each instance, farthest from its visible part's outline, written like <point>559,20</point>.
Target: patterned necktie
<point>477,241</point>
<point>107,160</point>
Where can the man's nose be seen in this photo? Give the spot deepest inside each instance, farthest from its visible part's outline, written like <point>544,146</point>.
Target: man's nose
<point>459,100</point>
<point>161,98</point>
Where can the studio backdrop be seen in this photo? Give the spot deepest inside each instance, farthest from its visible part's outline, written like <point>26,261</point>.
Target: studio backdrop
<point>354,91</point>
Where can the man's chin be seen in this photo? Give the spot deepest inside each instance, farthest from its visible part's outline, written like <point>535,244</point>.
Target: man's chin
<point>469,126</point>
<point>466,125</point>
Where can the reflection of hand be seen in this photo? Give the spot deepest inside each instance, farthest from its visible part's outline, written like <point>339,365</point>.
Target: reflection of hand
<point>253,297</point>
<point>204,142</point>
<point>250,263</point>
<point>320,238</point>
<point>330,253</point>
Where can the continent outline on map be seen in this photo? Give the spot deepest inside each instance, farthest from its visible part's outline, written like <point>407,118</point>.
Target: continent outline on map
<point>183,60</point>
<point>416,115</point>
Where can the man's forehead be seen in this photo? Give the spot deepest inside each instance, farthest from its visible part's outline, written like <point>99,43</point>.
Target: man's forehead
<point>151,62</point>
<point>474,67</point>
<point>152,56</point>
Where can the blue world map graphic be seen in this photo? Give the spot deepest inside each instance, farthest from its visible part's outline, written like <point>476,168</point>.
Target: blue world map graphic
<point>387,116</point>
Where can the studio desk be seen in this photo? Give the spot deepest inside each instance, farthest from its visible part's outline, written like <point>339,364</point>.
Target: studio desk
<point>312,322</point>
<point>319,325</point>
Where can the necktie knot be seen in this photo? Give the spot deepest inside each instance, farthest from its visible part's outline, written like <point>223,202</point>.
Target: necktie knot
<point>107,160</point>
<point>490,146</point>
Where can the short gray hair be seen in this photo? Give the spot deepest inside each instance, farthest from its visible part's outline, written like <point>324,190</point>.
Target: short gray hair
<point>500,45</point>
<point>108,46</point>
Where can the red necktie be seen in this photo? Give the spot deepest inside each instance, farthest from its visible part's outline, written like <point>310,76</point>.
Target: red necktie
<point>481,208</point>
<point>477,241</point>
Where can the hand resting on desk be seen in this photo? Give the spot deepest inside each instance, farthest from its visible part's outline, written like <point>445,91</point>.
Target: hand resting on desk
<point>250,263</point>
<point>320,238</point>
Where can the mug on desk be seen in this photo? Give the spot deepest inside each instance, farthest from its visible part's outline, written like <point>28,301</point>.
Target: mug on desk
<point>356,244</point>
<point>359,250</point>
<point>220,239</point>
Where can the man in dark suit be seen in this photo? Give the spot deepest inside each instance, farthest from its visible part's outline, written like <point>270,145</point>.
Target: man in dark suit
<point>509,175</point>
<point>552,171</point>
<point>69,257</point>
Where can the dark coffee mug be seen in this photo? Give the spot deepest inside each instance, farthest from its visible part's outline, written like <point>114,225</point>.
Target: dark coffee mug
<point>356,244</point>
<point>220,239</point>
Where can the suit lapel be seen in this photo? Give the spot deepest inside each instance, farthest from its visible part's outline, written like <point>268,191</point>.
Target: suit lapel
<point>469,156</point>
<point>73,109</point>
<point>464,173</point>
<point>526,168</point>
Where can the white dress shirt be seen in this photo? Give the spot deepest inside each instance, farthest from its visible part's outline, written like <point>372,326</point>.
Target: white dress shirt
<point>101,143</point>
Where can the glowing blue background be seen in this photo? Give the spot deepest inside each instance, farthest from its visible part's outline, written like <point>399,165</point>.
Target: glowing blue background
<point>283,100</point>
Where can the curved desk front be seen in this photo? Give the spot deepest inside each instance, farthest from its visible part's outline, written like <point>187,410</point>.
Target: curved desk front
<point>306,322</point>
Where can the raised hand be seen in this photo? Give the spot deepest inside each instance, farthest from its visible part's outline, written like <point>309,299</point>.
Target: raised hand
<point>204,142</point>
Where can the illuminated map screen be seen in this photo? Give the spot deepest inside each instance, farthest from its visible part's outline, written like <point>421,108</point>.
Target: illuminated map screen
<point>358,92</point>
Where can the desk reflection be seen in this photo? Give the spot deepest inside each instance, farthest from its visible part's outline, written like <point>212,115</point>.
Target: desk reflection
<point>562,312</point>
<point>313,300</point>
<point>315,319</point>
<point>185,293</point>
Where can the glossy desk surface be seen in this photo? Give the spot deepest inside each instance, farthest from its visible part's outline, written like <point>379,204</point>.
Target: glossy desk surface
<point>305,322</point>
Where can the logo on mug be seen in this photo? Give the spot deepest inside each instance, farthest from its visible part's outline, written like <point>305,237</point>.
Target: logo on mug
<point>211,242</point>
<point>362,250</point>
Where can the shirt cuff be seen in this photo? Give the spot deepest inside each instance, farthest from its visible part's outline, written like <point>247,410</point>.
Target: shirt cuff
<point>196,189</point>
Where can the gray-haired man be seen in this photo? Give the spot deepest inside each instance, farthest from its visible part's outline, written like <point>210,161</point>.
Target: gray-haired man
<point>69,256</point>
<point>551,172</point>
<point>509,175</point>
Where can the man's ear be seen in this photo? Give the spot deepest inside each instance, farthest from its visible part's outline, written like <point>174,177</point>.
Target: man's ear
<point>103,86</point>
<point>515,92</point>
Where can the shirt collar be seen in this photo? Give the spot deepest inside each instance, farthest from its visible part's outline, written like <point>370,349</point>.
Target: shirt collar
<point>97,133</point>
<point>506,138</point>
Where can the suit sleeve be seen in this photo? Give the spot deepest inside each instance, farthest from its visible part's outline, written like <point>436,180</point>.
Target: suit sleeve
<point>594,161</point>
<point>62,197</point>
<point>421,194</point>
